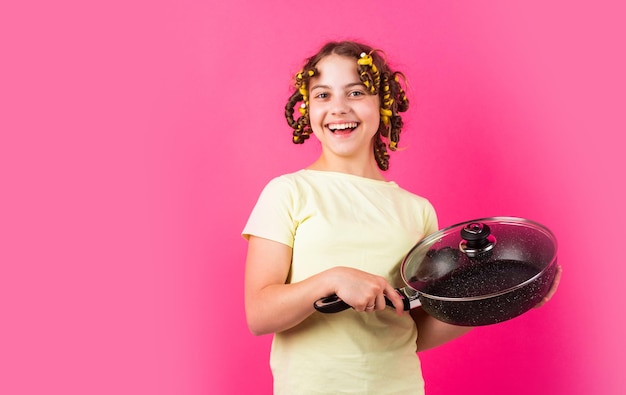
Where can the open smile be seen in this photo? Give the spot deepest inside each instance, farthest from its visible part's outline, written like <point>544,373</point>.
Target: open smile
<point>342,128</point>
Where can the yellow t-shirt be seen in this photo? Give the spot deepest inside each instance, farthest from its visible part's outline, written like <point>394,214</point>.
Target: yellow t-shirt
<point>335,219</point>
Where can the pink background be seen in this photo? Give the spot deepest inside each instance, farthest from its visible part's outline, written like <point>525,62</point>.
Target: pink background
<point>137,135</point>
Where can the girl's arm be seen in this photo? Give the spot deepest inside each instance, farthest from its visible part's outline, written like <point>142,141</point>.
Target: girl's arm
<point>432,333</point>
<point>273,306</point>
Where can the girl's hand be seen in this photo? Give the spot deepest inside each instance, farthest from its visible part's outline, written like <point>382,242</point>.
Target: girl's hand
<point>553,288</point>
<point>364,292</point>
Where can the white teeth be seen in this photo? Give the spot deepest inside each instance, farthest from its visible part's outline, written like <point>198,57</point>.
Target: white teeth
<point>343,126</point>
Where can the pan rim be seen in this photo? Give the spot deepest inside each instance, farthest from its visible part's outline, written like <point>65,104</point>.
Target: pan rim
<point>500,220</point>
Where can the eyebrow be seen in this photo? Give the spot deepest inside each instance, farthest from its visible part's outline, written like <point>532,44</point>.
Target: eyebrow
<point>319,86</point>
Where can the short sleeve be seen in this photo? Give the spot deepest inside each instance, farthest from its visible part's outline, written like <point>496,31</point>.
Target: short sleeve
<point>431,224</point>
<point>273,214</point>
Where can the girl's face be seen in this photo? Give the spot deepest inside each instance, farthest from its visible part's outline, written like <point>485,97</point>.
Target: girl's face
<point>343,115</point>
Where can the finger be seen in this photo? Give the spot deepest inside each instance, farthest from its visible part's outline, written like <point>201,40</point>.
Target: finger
<point>381,303</point>
<point>553,287</point>
<point>395,298</point>
<point>555,283</point>
<point>541,303</point>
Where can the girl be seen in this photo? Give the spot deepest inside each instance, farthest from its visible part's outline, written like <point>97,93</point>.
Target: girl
<point>339,227</point>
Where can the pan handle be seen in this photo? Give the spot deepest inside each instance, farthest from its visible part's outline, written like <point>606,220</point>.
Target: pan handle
<point>330,304</point>
<point>334,304</point>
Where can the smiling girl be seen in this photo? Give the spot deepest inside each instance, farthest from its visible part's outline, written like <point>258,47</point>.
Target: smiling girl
<point>339,227</point>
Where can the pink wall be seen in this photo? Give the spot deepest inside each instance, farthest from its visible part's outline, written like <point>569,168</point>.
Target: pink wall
<point>136,136</point>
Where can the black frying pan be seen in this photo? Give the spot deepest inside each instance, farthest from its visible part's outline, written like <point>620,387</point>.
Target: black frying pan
<point>475,273</point>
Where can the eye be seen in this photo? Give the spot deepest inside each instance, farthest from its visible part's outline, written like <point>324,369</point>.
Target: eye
<point>321,95</point>
<point>356,93</point>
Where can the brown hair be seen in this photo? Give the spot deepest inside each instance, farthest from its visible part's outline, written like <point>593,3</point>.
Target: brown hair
<point>375,74</point>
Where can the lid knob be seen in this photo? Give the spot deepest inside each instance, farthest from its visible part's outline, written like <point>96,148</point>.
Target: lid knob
<point>477,238</point>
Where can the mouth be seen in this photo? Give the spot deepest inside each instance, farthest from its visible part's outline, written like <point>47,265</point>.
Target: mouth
<point>342,128</point>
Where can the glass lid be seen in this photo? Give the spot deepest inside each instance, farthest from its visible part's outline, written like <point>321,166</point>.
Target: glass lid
<point>479,258</point>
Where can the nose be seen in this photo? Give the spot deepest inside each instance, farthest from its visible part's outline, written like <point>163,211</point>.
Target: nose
<point>339,105</point>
